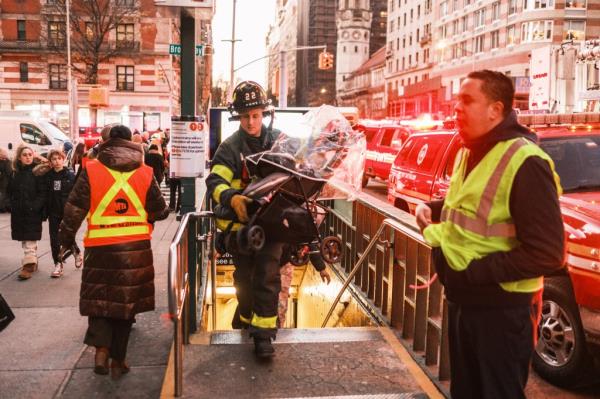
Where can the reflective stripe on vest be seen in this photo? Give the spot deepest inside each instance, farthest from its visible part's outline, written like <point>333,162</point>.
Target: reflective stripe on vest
<point>117,210</point>
<point>477,222</point>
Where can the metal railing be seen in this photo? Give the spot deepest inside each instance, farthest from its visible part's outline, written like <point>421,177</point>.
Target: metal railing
<point>387,262</point>
<point>190,253</point>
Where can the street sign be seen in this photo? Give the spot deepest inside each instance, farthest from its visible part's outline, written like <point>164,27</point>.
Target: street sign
<point>175,49</point>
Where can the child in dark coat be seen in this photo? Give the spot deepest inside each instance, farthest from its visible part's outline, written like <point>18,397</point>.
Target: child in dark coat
<point>60,181</point>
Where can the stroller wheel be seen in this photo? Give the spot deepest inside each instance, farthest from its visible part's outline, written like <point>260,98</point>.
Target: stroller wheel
<point>299,256</point>
<point>256,238</point>
<point>241,238</point>
<point>331,249</point>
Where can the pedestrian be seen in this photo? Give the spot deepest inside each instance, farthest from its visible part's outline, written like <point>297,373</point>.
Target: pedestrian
<point>496,234</point>
<point>27,195</point>
<point>287,275</point>
<point>59,183</point>
<point>174,193</point>
<point>121,199</point>
<point>155,160</point>
<point>5,174</point>
<point>256,276</point>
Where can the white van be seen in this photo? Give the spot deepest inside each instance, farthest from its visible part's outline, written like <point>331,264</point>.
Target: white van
<point>40,135</point>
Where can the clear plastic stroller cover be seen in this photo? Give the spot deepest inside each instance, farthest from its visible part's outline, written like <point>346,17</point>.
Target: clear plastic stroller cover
<point>322,146</point>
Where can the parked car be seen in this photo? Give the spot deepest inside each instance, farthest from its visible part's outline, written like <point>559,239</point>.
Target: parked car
<point>39,134</point>
<point>569,331</point>
<point>384,139</point>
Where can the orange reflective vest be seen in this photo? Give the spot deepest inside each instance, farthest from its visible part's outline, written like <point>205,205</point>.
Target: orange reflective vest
<point>117,211</point>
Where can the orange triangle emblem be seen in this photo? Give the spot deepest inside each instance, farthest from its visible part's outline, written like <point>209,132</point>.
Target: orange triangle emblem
<point>120,205</point>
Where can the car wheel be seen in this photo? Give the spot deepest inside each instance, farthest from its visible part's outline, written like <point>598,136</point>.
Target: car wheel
<point>402,205</point>
<point>561,354</point>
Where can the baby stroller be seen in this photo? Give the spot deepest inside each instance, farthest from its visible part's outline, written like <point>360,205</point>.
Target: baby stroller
<point>287,183</point>
<point>285,208</point>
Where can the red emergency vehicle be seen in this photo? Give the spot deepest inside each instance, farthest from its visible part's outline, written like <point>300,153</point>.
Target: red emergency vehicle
<point>384,140</point>
<point>569,331</point>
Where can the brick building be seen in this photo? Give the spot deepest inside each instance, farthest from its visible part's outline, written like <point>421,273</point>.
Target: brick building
<point>141,78</point>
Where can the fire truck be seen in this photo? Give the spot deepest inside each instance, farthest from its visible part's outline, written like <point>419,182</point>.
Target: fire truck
<point>569,331</point>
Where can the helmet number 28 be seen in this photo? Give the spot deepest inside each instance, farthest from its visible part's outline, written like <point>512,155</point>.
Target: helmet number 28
<point>250,96</point>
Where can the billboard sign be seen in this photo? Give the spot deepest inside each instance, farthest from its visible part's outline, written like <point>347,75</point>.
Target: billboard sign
<point>539,93</point>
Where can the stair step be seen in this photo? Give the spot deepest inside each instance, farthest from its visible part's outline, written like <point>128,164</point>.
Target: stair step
<point>304,335</point>
<point>405,395</point>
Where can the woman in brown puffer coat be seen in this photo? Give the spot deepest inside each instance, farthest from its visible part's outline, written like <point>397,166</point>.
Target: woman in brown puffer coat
<point>118,272</point>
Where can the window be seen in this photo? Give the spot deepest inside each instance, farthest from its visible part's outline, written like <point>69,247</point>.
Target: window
<point>124,34</point>
<point>124,78</point>
<point>455,25</point>
<point>479,18</point>
<point>537,4</point>
<point>478,44</point>
<point>89,31</point>
<point>21,33</point>
<point>386,140</point>
<point>496,11</point>
<point>495,39</point>
<point>403,42</point>
<point>463,48</point>
<point>536,31</point>
<point>575,4</point>
<point>23,72</point>
<point>465,23</point>
<point>454,5</point>
<point>426,55</point>
<point>574,30</point>
<point>356,49</point>
<point>512,7</point>
<point>128,3</point>
<point>58,76</point>
<point>56,34</point>
<point>31,134</point>
<point>444,8</point>
<point>511,35</point>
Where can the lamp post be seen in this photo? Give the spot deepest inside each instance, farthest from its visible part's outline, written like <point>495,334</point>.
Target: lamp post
<point>72,112</point>
<point>232,40</point>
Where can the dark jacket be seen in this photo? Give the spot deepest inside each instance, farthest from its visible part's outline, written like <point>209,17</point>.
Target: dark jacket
<point>58,186</point>
<point>230,154</point>
<point>536,214</point>
<point>27,195</point>
<point>5,174</point>
<point>157,163</point>
<point>117,280</point>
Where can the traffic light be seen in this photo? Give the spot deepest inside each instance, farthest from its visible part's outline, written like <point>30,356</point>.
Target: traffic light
<point>325,60</point>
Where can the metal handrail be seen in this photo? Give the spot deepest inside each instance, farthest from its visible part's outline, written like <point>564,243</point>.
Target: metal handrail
<point>386,222</point>
<point>179,282</point>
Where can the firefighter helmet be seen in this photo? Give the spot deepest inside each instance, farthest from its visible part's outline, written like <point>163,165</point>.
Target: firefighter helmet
<point>247,95</point>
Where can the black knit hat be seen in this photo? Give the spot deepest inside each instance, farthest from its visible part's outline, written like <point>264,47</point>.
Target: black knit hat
<point>121,132</point>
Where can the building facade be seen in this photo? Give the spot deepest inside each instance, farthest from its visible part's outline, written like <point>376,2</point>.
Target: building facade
<point>501,35</point>
<point>364,88</point>
<point>353,20</point>
<point>409,58</point>
<point>141,79</point>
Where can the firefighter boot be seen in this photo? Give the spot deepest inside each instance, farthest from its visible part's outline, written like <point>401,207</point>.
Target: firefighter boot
<point>263,347</point>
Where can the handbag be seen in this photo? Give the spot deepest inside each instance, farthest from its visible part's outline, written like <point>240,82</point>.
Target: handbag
<point>6,314</point>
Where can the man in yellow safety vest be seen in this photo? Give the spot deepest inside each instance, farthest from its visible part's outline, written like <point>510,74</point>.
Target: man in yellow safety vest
<point>496,234</point>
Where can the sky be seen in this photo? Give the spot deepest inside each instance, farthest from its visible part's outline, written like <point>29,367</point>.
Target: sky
<point>253,18</point>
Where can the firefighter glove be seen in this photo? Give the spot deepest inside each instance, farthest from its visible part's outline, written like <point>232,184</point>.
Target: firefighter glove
<point>238,203</point>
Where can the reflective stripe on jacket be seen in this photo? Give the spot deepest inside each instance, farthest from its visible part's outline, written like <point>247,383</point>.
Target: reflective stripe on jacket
<point>476,219</point>
<point>117,205</point>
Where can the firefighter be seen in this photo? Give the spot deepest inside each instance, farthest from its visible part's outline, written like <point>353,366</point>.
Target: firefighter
<point>500,231</point>
<point>256,276</point>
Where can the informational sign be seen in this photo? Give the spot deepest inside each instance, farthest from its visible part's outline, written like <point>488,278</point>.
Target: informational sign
<point>188,148</point>
<point>539,93</point>
<point>522,85</point>
<point>175,49</point>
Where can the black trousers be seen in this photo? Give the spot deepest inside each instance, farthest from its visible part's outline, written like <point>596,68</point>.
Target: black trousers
<point>175,193</point>
<point>109,333</point>
<point>257,282</point>
<point>54,224</point>
<point>490,350</point>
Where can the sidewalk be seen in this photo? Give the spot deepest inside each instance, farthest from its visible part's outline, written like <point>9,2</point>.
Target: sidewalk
<point>42,354</point>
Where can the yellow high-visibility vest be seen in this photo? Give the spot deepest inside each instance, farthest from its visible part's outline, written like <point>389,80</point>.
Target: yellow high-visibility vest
<point>476,219</point>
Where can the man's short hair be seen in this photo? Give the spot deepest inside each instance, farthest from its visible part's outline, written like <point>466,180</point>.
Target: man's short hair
<point>497,87</point>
